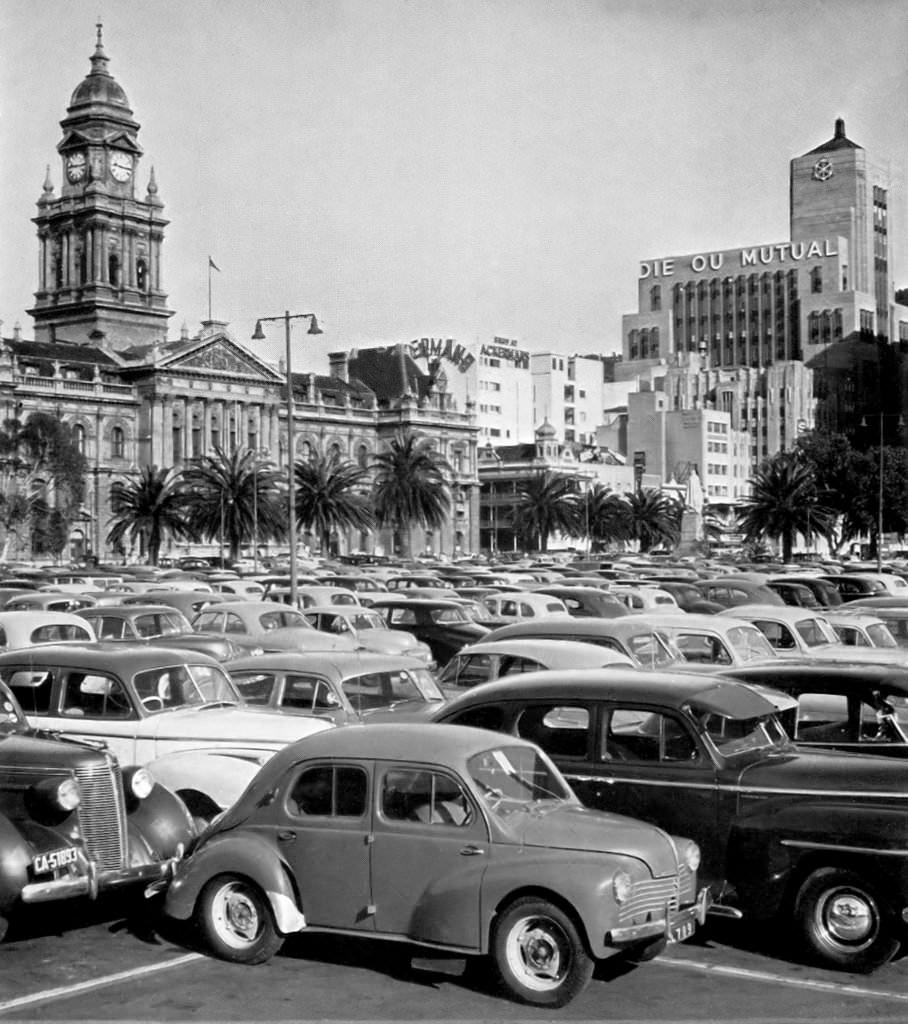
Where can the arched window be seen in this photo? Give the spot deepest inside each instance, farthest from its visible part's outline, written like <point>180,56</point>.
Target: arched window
<point>79,438</point>
<point>304,451</point>
<point>334,451</point>
<point>83,267</point>
<point>113,269</point>
<point>215,430</point>
<point>362,457</point>
<point>117,443</point>
<point>141,274</point>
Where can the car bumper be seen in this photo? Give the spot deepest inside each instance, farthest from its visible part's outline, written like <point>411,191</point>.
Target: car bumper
<point>86,880</point>
<point>675,926</point>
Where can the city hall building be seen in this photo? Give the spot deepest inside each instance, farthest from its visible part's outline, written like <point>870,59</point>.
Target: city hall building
<point>101,360</point>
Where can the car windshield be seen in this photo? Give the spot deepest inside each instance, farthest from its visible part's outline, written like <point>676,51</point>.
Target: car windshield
<point>650,650</point>
<point>881,635</point>
<point>375,690</point>
<point>161,624</point>
<point>11,718</point>
<point>517,779</point>
<point>816,632</point>
<point>445,615</point>
<point>181,686</point>
<point>367,620</point>
<point>750,644</point>
<point>735,736</point>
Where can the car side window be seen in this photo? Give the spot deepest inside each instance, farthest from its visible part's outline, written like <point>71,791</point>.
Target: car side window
<point>824,718</point>
<point>707,650</point>
<point>31,688</point>
<point>778,635</point>
<point>467,670</point>
<point>208,620</point>
<point>337,791</point>
<point>256,687</point>
<point>512,665</point>
<point>109,627</point>
<point>308,693</point>
<point>429,798</point>
<point>562,730</point>
<point>489,716</point>
<point>233,624</point>
<point>95,696</point>
<point>54,632</point>
<point>402,617</point>
<point>635,734</point>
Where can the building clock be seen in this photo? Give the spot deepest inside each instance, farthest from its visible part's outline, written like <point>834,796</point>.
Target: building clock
<point>121,166</point>
<point>822,170</point>
<point>75,166</point>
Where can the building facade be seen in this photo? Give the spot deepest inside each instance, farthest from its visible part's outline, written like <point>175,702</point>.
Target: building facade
<point>102,362</point>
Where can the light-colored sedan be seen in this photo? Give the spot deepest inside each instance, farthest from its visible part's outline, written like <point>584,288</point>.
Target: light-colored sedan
<point>369,631</point>
<point>862,630</point>
<point>491,659</point>
<point>516,607</point>
<point>28,628</point>
<point>276,627</point>
<point>175,711</point>
<point>720,640</point>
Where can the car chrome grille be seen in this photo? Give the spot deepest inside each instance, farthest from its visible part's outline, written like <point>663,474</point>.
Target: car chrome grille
<point>687,885</point>
<point>650,898</point>
<point>102,814</point>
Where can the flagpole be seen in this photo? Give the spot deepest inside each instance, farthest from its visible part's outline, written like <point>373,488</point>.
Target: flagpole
<point>209,287</point>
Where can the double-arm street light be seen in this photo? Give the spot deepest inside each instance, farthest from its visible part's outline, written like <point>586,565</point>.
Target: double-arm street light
<point>259,335</point>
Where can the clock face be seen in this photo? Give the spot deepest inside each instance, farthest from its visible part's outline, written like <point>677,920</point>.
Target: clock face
<point>822,170</point>
<point>120,166</point>
<point>75,166</point>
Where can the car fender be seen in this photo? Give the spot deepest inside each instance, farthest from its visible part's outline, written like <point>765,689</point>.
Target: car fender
<point>161,822</point>
<point>15,857</point>
<point>766,849</point>
<point>236,854</point>
<point>217,774</point>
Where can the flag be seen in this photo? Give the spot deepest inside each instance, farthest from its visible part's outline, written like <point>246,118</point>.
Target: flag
<point>213,265</point>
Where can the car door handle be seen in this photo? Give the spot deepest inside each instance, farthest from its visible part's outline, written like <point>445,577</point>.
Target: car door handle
<point>286,837</point>
<point>472,851</point>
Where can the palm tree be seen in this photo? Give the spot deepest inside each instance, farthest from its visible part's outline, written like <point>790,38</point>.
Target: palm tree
<point>410,486</point>
<point>547,502</point>
<point>653,518</point>
<point>329,496</point>
<point>147,509</point>
<point>235,498</point>
<point>604,516</point>
<point>783,502</point>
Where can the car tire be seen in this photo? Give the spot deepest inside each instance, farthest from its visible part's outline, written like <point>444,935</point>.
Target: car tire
<point>538,953</point>
<point>236,922</point>
<point>843,923</point>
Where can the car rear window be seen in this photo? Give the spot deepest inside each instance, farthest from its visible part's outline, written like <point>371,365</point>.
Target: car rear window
<point>55,632</point>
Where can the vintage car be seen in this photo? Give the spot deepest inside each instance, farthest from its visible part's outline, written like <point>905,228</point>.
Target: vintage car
<point>368,631</point>
<point>274,627</point>
<point>825,593</point>
<point>688,598</point>
<point>892,610</point>
<point>309,595</point>
<point>189,602</point>
<point>27,629</point>
<point>585,602</point>
<point>859,707</point>
<point>816,841</point>
<point>858,627</point>
<point>442,624</point>
<point>160,626</point>
<point>73,823</point>
<point>633,636</point>
<point>490,659</point>
<point>48,602</point>
<point>349,686</point>
<point>641,599</point>
<point>174,711</point>
<point>516,607</point>
<point>708,640</point>
<point>450,839</point>
<point>729,591</point>
<point>792,630</point>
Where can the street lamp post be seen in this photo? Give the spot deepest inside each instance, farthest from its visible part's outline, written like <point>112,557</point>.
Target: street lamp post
<point>490,453</point>
<point>259,335</point>
<point>260,455</point>
<point>879,510</point>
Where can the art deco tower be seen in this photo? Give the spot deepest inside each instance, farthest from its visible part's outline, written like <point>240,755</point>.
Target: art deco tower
<point>100,246</point>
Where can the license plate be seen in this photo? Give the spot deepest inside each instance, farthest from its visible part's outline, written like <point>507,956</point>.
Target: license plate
<point>683,931</point>
<point>54,860</point>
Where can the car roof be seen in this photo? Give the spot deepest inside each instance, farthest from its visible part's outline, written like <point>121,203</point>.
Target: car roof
<point>250,606</point>
<point>670,689</point>
<point>566,652</point>
<point>694,620</point>
<point>125,609</point>
<point>625,626</point>
<point>414,602</point>
<point>343,662</point>
<point>871,673</point>
<point>119,658</point>
<point>784,612</point>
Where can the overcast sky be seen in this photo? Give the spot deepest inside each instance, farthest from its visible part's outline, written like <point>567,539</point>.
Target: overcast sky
<point>449,168</point>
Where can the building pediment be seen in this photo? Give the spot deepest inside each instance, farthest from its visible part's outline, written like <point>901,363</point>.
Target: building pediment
<point>222,357</point>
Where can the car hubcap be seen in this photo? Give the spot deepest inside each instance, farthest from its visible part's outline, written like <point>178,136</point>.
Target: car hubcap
<point>236,916</point>
<point>848,917</point>
<point>537,953</point>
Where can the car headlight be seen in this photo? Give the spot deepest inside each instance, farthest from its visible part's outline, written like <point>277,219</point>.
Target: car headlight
<point>67,795</point>
<point>140,782</point>
<point>692,856</point>
<point>622,887</point>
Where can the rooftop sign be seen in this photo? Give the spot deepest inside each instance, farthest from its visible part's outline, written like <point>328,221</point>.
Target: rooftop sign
<point>755,256</point>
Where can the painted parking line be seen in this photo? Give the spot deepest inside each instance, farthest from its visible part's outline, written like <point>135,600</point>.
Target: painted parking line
<point>836,987</point>
<point>65,991</point>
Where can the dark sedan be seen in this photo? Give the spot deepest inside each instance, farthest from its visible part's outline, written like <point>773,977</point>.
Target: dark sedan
<point>585,602</point>
<point>444,625</point>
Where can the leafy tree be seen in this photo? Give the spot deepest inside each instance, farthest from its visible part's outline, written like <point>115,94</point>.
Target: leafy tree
<point>329,497</point>
<point>652,518</point>
<point>410,486</point>
<point>235,498</point>
<point>784,501</point>
<point>547,502</point>
<point>147,509</point>
<point>604,516</point>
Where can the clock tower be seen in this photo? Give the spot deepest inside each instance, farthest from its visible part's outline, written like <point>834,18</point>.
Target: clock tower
<point>100,245</point>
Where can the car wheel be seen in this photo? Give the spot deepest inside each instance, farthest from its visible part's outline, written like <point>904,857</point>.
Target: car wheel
<point>842,922</point>
<point>538,954</point>
<point>236,921</point>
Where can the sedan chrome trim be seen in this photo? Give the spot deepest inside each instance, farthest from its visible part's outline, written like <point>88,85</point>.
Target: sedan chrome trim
<point>876,851</point>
